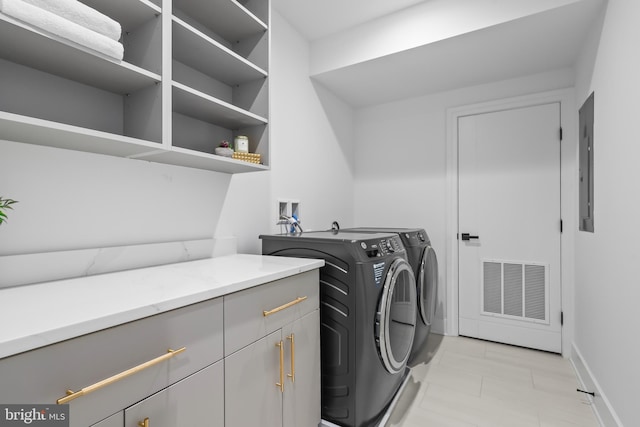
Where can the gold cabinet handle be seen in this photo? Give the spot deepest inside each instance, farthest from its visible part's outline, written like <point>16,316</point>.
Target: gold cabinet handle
<point>280,385</point>
<point>144,423</point>
<point>292,375</point>
<point>282,307</point>
<point>71,395</point>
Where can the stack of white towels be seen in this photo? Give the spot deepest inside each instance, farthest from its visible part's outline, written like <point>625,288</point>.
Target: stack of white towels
<point>70,20</point>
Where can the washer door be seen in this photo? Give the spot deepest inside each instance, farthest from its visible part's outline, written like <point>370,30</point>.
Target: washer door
<point>397,316</point>
<point>427,285</point>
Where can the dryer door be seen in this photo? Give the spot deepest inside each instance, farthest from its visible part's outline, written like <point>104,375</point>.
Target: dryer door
<point>397,316</point>
<point>427,285</point>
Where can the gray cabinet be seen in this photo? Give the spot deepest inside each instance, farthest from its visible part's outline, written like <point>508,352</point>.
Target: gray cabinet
<point>250,358</point>
<point>272,347</point>
<point>301,406</point>
<point>251,374</point>
<point>193,401</point>
<point>81,364</point>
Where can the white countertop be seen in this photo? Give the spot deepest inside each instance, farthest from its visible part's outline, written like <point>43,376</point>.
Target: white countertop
<point>37,315</point>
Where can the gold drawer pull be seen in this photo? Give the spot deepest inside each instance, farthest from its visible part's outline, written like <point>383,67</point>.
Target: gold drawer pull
<point>280,385</point>
<point>71,395</point>
<point>282,307</point>
<point>144,423</point>
<point>292,375</point>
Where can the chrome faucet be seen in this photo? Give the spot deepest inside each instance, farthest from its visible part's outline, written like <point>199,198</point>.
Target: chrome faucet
<point>289,224</point>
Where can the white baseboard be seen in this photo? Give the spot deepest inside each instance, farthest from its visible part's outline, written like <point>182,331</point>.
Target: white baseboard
<point>601,406</point>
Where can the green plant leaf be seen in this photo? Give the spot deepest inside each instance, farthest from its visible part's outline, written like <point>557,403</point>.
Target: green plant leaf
<point>5,204</point>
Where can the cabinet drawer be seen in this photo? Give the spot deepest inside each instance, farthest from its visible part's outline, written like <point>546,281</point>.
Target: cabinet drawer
<point>43,375</point>
<point>244,312</point>
<point>197,400</point>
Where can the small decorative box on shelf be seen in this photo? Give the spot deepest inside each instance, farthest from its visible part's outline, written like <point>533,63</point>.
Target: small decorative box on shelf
<point>247,157</point>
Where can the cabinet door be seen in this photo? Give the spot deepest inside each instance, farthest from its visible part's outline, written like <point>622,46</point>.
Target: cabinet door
<point>196,400</point>
<point>302,367</point>
<point>252,397</point>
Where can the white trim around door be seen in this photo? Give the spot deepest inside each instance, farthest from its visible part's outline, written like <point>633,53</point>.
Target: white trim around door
<point>568,203</point>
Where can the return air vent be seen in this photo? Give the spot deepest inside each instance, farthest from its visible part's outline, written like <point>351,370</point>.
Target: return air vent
<point>515,290</point>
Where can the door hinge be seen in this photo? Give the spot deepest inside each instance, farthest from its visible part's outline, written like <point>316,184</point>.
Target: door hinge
<point>561,318</point>
<point>560,134</point>
<point>561,225</point>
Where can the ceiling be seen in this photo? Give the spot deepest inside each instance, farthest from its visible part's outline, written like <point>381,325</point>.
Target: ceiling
<point>318,19</point>
<point>542,42</point>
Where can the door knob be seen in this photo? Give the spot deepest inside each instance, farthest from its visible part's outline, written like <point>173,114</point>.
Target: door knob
<point>467,236</point>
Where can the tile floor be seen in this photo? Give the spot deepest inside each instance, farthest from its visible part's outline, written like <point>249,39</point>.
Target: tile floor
<point>474,383</point>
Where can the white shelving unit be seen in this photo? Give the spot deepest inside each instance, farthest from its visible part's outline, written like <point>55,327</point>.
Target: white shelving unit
<point>188,81</point>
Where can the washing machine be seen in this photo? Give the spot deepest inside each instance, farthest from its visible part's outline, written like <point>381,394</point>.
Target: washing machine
<point>368,313</point>
<point>422,257</point>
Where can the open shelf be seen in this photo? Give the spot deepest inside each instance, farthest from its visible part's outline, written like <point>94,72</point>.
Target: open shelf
<point>29,130</point>
<point>192,103</point>
<point>14,127</point>
<point>199,160</point>
<point>129,13</point>
<point>35,49</point>
<point>228,18</point>
<point>204,54</point>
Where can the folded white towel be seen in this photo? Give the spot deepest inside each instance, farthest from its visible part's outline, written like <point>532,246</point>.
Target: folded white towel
<point>57,26</point>
<point>82,15</point>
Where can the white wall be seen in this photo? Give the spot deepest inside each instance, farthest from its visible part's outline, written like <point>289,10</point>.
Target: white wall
<point>607,286</point>
<point>312,136</point>
<point>245,211</point>
<point>72,200</point>
<point>401,157</point>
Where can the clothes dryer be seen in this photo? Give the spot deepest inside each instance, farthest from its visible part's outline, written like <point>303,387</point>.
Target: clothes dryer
<point>367,313</point>
<point>423,260</point>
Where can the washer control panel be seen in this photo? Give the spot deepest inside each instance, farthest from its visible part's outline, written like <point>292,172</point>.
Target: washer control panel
<point>382,247</point>
<point>390,245</point>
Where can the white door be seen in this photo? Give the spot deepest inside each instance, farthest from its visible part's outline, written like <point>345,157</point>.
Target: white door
<point>509,226</point>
